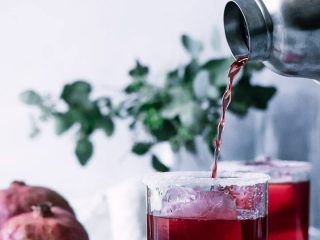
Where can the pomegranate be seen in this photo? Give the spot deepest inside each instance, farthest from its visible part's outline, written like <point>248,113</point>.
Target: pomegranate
<point>43,223</point>
<point>19,198</point>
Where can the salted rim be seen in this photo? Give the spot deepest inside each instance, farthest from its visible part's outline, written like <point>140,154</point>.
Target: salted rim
<point>225,178</point>
<point>279,170</point>
<point>276,165</point>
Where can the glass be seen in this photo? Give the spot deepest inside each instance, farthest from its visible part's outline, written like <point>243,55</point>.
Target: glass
<point>192,205</point>
<point>289,195</point>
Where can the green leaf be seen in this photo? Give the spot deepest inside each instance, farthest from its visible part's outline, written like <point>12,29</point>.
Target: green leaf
<point>185,134</point>
<point>245,95</point>
<point>35,129</point>
<point>240,108</point>
<point>211,147</point>
<point>139,70</point>
<point>261,96</point>
<point>89,118</point>
<point>31,97</point>
<point>134,87</point>
<point>183,106</point>
<point>175,144</point>
<point>210,137</point>
<point>191,71</point>
<point>193,47</point>
<point>77,94</point>
<point>179,96</point>
<point>218,70</point>
<point>107,125</point>
<point>185,138</point>
<point>63,122</point>
<point>202,87</point>
<point>132,125</point>
<point>141,148</point>
<point>175,77</point>
<point>152,119</point>
<point>155,101</point>
<point>191,146</point>
<point>158,165</point>
<point>192,116</point>
<point>84,150</point>
<point>201,84</point>
<point>167,131</point>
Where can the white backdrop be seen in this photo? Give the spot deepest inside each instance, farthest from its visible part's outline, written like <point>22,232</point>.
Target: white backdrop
<point>45,44</point>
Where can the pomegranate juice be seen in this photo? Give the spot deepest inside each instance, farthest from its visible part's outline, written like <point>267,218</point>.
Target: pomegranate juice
<point>289,211</point>
<point>226,100</point>
<point>162,228</point>
<point>289,195</point>
<point>193,206</point>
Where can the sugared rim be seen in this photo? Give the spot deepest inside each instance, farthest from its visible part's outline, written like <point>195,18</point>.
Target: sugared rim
<point>275,165</point>
<point>279,170</point>
<point>225,178</point>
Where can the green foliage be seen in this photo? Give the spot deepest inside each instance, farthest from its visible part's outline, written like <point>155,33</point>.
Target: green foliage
<point>82,112</point>
<point>31,98</point>
<point>185,106</point>
<point>194,48</point>
<point>158,165</point>
<point>141,148</point>
<point>84,150</point>
<point>63,122</point>
<point>245,95</point>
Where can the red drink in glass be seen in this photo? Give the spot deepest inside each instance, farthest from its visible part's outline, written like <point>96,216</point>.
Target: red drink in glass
<point>164,228</point>
<point>289,210</point>
<point>193,206</point>
<point>289,196</point>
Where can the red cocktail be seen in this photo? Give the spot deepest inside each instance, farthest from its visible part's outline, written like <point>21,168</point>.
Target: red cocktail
<point>289,210</point>
<point>289,196</point>
<point>161,228</point>
<point>190,206</point>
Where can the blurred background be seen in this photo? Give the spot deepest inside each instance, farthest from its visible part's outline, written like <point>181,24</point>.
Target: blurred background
<point>46,44</point>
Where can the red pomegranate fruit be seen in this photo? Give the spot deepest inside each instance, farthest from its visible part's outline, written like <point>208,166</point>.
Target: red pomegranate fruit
<point>19,198</point>
<point>43,223</point>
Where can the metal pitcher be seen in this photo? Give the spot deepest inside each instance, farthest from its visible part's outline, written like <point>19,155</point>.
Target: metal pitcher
<point>284,34</point>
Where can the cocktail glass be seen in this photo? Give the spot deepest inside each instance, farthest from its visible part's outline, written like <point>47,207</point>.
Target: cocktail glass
<point>289,195</point>
<point>192,205</point>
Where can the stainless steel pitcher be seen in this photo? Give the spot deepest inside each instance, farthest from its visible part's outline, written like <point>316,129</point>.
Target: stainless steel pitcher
<point>284,34</point>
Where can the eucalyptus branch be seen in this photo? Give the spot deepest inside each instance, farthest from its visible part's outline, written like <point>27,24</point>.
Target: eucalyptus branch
<point>185,107</point>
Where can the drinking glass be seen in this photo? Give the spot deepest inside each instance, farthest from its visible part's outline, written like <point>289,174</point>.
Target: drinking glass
<point>289,195</point>
<point>192,205</point>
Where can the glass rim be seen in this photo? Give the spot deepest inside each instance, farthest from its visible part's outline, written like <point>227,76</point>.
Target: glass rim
<point>279,170</point>
<point>203,178</point>
<point>275,165</point>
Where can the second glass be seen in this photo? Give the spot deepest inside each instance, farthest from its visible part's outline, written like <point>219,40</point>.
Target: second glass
<point>289,195</point>
<point>192,205</point>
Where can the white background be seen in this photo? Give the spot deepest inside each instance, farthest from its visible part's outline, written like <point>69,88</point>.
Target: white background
<point>45,44</point>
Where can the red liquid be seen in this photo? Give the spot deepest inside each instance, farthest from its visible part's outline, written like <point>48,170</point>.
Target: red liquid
<point>289,211</point>
<point>226,99</point>
<point>161,228</point>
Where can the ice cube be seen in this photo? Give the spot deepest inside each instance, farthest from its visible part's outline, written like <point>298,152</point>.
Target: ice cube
<point>220,205</point>
<point>176,199</point>
<point>191,203</point>
<point>180,195</point>
<point>247,197</point>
